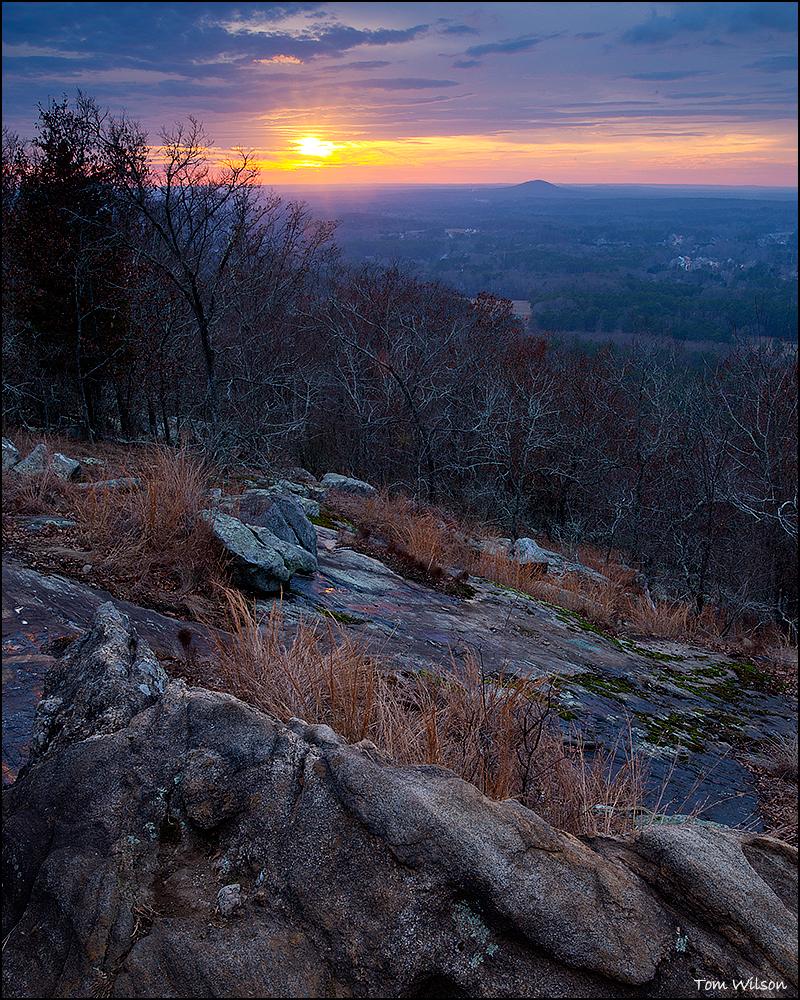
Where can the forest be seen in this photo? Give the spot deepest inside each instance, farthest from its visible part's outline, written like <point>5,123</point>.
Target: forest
<point>150,290</point>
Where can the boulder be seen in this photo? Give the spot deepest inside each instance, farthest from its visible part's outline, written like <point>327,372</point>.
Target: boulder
<point>259,559</point>
<point>65,467</point>
<point>40,460</point>
<point>333,482</point>
<point>299,476</point>
<point>255,499</point>
<point>168,841</point>
<point>527,551</point>
<point>34,463</point>
<point>10,455</point>
<point>283,515</point>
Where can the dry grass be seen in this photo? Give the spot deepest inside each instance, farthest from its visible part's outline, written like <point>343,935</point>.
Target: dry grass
<point>508,572</point>
<point>599,603</point>
<point>154,530</point>
<point>775,768</point>
<point>36,494</point>
<point>663,619</point>
<point>426,535</point>
<point>498,732</point>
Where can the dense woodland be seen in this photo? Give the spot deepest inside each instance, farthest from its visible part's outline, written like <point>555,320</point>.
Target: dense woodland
<point>149,290</point>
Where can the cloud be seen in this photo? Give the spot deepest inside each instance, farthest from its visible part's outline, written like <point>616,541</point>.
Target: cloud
<point>359,64</point>
<point>405,83</point>
<point>507,47</point>
<point>784,62</point>
<point>281,60</point>
<point>213,58</point>
<point>459,29</point>
<point>735,18</point>
<point>669,74</point>
<point>23,50</point>
<point>326,37</point>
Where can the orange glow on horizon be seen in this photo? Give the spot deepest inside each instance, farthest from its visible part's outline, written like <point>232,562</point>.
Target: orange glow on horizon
<point>724,157</point>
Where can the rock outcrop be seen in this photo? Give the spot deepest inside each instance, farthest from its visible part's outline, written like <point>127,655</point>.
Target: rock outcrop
<point>259,559</point>
<point>527,551</point>
<point>11,455</point>
<point>167,841</point>
<point>332,481</point>
<point>41,460</point>
<point>256,503</point>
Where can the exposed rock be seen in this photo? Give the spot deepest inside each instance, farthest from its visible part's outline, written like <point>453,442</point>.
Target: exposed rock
<point>255,501</point>
<point>34,463</point>
<point>146,821</point>
<point>229,899</point>
<point>283,515</point>
<point>259,559</point>
<point>123,483</point>
<point>11,455</point>
<point>332,481</point>
<point>40,460</point>
<point>34,525</point>
<point>528,551</point>
<point>104,679</point>
<point>65,467</point>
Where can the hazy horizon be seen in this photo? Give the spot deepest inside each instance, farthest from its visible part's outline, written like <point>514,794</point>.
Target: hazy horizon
<point>358,94</point>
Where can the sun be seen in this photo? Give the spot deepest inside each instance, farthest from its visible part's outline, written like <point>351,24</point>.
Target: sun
<point>310,145</point>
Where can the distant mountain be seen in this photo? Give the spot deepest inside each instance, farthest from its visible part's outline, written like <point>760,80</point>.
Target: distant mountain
<point>534,187</point>
<point>531,189</point>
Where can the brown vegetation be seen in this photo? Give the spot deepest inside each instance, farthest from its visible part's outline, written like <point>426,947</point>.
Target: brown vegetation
<point>154,530</point>
<point>429,544</point>
<point>143,542</point>
<point>498,732</point>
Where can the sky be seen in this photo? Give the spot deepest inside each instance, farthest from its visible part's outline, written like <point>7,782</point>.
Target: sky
<point>401,93</point>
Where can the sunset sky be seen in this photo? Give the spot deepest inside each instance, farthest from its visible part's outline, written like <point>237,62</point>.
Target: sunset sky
<point>342,93</point>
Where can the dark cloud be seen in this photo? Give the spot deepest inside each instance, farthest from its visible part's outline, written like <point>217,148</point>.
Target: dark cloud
<point>508,46</point>
<point>781,63</point>
<point>190,34</point>
<point>736,18</point>
<point>326,40</point>
<point>458,29</point>
<point>361,64</point>
<point>467,63</point>
<point>668,74</point>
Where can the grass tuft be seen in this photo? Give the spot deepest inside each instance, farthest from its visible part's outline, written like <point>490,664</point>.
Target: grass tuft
<point>499,732</point>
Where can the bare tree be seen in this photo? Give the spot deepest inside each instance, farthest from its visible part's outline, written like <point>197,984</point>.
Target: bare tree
<point>198,217</point>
